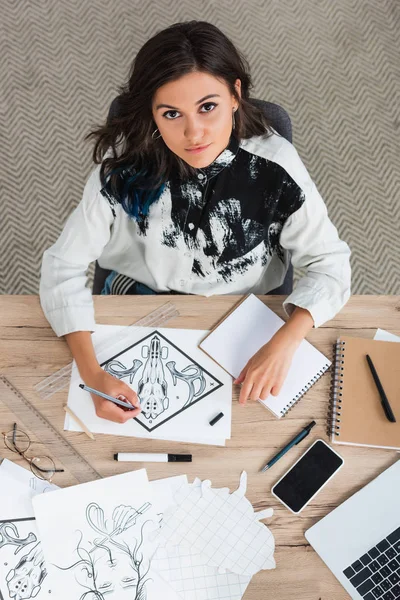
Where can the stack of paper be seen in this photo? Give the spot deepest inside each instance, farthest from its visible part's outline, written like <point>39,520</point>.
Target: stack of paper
<point>54,555</point>
<point>127,536</point>
<point>23,573</point>
<point>180,388</point>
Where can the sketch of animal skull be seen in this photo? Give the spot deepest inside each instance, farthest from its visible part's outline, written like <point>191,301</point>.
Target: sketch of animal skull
<point>152,388</point>
<point>24,581</point>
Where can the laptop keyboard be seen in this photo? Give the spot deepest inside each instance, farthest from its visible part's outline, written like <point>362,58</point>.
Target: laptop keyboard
<point>376,574</point>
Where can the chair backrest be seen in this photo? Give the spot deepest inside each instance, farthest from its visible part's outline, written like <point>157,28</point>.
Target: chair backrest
<point>277,116</point>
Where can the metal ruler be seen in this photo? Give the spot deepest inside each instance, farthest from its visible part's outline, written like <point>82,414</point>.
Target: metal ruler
<point>46,433</point>
<point>61,378</point>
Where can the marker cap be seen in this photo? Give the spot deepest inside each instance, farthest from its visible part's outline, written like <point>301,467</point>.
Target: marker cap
<point>217,418</point>
<point>179,458</point>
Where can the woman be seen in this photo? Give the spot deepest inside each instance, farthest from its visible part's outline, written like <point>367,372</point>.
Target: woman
<point>168,217</point>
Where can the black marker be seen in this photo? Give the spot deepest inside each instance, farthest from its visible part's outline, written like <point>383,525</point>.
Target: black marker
<point>150,457</point>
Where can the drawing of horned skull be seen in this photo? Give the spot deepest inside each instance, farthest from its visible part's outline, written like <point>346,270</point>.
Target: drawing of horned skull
<point>9,536</point>
<point>152,388</point>
<point>25,579</point>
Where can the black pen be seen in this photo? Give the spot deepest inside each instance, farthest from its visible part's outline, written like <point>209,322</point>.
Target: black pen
<point>384,401</point>
<point>300,436</point>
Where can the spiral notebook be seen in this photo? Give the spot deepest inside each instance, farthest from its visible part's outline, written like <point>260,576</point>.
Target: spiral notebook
<point>250,325</point>
<point>356,417</point>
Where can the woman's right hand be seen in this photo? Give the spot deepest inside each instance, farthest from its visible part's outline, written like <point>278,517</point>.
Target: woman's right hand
<point>105,409</point>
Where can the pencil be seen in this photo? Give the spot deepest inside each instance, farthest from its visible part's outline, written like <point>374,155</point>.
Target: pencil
<point>80,423</point>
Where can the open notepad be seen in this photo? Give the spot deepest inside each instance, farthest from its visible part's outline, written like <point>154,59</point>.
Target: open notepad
<point>248,327</point>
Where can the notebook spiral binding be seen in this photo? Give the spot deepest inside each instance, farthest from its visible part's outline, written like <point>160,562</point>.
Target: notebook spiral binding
<point>335,403</point>
<point>305,389</point>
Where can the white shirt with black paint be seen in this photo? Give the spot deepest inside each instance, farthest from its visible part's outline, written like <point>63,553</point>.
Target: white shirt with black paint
<point>232,229</point>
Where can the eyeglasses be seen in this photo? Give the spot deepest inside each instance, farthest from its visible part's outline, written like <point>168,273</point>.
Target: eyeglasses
<point>18,441</point>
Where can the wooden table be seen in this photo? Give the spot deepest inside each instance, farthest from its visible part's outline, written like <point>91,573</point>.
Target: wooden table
<point>29,352</point>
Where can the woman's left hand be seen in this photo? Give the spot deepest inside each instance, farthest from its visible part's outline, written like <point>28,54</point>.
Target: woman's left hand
<point>266,371</point>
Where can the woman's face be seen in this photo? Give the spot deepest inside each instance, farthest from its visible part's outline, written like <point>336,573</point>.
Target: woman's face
<point>186,119</point>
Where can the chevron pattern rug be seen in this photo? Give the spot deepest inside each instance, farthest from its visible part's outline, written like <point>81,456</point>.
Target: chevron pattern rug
<point>334,66</point>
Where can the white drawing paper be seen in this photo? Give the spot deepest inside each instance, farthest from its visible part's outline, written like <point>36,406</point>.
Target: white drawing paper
<point>23,572</point>
<point>25,476</point>
<point>386,336</point>
<point>16,497</point>
<point>180,389</point>
<point>221,526</point>
<point>163,492</point>
<point>102,547</point>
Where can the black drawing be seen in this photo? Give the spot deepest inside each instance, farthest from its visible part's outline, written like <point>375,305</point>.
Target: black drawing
<point>13,538</point>
<point>114,561</point>
<point>25,574</point>
<point>159,381</point>
<point>116,368</point>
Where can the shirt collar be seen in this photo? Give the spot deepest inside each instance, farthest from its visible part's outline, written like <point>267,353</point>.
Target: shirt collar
<point>223,160</point>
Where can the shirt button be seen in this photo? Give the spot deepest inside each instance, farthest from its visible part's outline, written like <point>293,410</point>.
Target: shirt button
<point>187,254</point>
<point>191,226</point>
<point>182,282</point>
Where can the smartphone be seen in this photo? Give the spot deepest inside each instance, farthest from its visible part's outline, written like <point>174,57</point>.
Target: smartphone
<point>307,476</point>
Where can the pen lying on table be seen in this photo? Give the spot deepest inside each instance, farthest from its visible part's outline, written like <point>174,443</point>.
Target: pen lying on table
<point>300,436</point>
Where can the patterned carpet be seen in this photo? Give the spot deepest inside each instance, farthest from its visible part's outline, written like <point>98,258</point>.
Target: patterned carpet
<point>334,66</point>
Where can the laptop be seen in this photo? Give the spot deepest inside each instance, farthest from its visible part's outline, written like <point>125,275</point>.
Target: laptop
<point>360,540</point>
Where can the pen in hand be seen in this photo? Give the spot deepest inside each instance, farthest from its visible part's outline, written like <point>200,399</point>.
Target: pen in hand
<point>384,401</point>
<point>107,397</point>
<point>300,436</point>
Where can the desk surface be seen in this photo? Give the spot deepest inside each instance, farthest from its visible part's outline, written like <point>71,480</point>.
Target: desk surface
<point>29,352</point>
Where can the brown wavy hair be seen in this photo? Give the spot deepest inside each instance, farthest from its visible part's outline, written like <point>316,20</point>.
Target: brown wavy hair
<point>134,165</point>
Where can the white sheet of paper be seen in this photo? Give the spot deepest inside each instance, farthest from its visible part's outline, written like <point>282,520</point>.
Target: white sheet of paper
<point>15,498</point>
<point>102,545</point>
<point>386,336</point>
<point>175,407</point>
<point>163,491</point>
<point>18,488</point>
<point>25,476</point>
<point>249,327</point>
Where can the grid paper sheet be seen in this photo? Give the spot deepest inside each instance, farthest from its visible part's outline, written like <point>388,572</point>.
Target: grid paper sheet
<point>187,571</point>
<point>221,526</point>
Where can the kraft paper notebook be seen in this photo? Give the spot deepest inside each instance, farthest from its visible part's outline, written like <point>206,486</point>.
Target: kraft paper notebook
<point>357,417</point>
<point>250,325</point>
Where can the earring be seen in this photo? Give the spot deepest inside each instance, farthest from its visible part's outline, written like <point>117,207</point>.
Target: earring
<point>152,135</point>
<point>233,118</point>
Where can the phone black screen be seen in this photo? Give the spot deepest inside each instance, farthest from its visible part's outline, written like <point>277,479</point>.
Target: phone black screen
<point>307,476</point>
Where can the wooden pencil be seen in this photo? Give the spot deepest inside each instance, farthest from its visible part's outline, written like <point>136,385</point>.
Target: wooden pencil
<point>80,423</point>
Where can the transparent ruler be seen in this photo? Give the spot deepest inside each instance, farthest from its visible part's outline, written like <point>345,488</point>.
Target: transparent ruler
<point>61,378</point>
<point>54,441</point>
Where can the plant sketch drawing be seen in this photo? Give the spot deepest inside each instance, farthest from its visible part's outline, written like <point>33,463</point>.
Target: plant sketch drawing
<point>24,574</point>
<point>164,387</point>
<point>109,560</point>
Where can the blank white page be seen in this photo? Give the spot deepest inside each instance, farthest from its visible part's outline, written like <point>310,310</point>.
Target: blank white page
<point>251,325</point>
